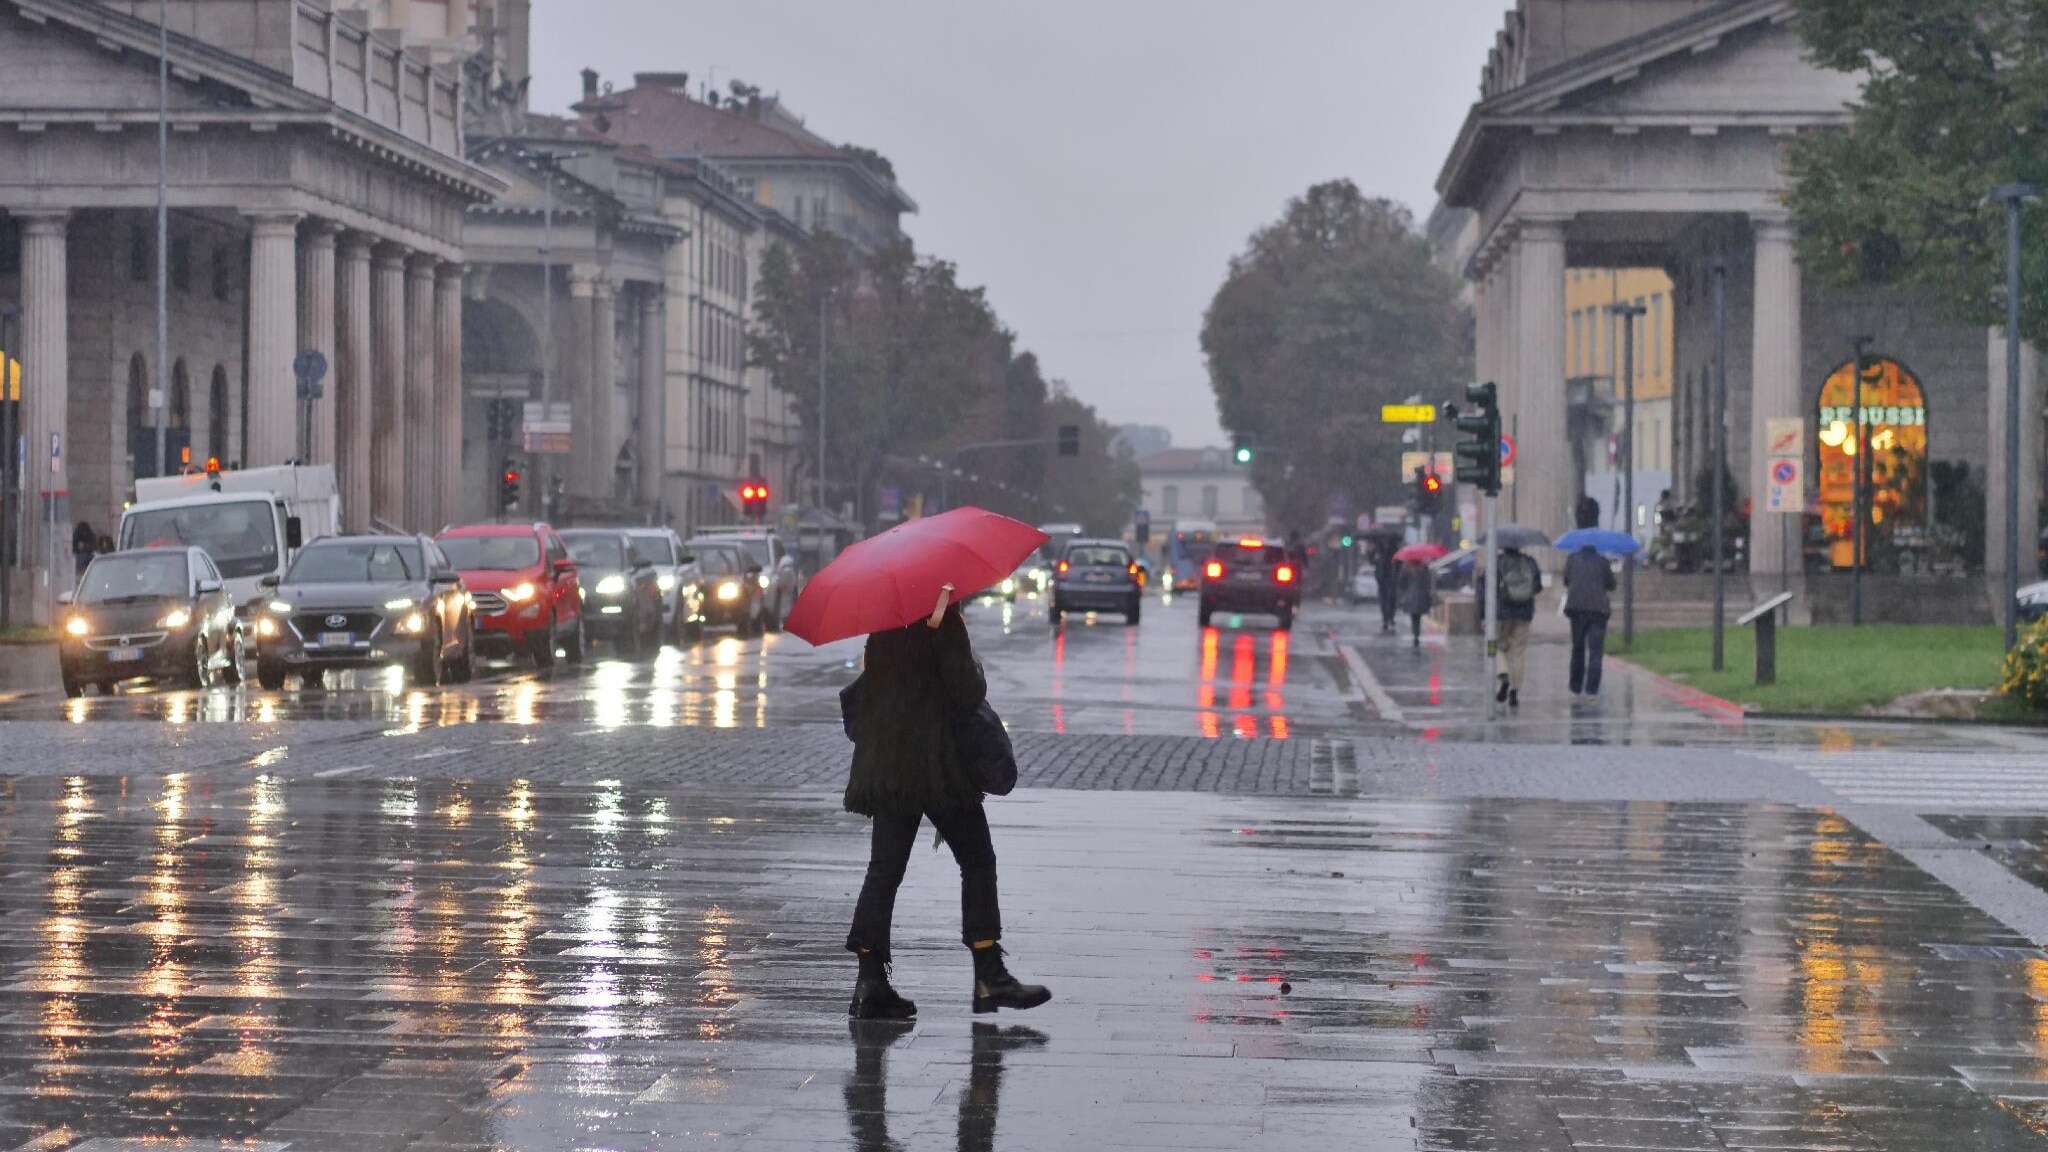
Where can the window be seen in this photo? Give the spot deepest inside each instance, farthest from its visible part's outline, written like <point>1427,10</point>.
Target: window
<point>1657,337</point>
<point>217,414</point>
<point>181,397</point>
<point>1169,500</point>
<point>1577,354</point>
<point>1209,500</point>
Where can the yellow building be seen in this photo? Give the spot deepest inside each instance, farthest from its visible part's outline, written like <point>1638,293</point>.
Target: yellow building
<point>1593,355</point>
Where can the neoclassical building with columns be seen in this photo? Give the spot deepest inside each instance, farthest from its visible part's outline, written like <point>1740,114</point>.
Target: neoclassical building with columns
<point>1653,134</point>
<point>318,197</point>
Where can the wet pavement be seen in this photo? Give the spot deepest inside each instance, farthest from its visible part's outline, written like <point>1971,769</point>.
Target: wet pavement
<point>443,965</point>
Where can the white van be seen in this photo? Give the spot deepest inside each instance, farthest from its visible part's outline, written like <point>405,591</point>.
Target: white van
<point>249,522</point>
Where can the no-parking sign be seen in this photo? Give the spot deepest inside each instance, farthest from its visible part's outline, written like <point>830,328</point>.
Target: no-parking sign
<point>1786,491</point>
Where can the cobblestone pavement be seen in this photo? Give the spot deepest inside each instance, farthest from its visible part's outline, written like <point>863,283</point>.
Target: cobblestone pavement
<point>443,965</point>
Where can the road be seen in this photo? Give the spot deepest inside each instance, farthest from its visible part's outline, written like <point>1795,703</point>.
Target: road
<point>1292,891</point>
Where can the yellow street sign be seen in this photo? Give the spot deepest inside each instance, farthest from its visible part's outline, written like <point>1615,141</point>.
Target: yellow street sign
<point>1407,413</point>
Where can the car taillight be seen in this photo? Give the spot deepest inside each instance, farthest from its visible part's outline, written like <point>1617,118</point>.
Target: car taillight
<point>1284,574</point>
<point>1214,571</point>
<point>1063,566</point>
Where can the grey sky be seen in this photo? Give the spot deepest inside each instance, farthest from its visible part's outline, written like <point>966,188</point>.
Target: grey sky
<point>1094,165</point>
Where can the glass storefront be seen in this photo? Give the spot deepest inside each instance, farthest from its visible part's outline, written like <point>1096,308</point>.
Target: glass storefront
<point>1895,436</point>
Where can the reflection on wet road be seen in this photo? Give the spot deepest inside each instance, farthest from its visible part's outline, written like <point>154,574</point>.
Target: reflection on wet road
<point>446,965</point>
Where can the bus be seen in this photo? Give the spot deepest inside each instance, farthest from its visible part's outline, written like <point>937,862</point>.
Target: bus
<point>1187,548</point>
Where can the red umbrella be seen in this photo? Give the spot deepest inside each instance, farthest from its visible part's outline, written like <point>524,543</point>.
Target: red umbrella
<point>892,580</point>
<point>1412,554</point>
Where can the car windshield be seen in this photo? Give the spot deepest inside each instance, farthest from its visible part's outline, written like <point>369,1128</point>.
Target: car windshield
<point>654,549</point>
<point>596,551</point>
<point>1098,557</point>
<point>491,553</point>
<point>718,561</point>
<point>240,536</point>
<point>357,562</point>
<point>112,579</point>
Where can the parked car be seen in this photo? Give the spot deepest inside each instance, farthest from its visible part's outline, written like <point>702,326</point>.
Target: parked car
<point>367,602</point>
<point>2033,602</point>
<point>162,613</point>
<point>1097,576</point>
<point>621,592</point>
<point>732,587</point>
<point>674,572</point>
<point>1251,576</point>
<point>1365,587</point>
<point>779,577</point>
<point>524,589</point>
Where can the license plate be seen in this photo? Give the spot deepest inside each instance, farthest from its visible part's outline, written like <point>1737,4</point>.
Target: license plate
<point>1097,577</point>
<point>1246,577</point>
<point>337,639</point>
<point>124,655</point>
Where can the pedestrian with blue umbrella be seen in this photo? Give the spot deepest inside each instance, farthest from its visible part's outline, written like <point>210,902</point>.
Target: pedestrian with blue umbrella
<point>1589,588</point>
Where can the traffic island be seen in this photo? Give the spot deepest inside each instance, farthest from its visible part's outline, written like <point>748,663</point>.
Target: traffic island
<point>1838,671</point>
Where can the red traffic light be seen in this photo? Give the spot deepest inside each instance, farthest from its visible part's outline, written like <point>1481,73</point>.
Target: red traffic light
<point>511,475</point>
<point>1431,482</point>
<point>753,493</point>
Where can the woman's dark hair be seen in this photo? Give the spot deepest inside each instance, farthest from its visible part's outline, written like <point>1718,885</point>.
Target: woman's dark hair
<point>908,659</point>
<point>916,680</point>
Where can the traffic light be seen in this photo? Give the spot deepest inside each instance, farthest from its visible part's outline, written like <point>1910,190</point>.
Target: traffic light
<point>1478,458</point>
<point>508,488</point>
<point>754,499</point>
<point>1242,450</point>
<point>1429,489</point>
<point>1070,440</point>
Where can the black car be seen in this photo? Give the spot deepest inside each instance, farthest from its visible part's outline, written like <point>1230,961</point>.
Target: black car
<point>730,584</point>
<point>1251,576</point>
<point>367,602</point>
<point>162,613</point>
<point>1097,576</point>
<point>621,589</point>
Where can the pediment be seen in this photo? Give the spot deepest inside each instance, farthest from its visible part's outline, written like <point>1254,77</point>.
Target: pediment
<point>1758,72</point>
<point>50,66</point>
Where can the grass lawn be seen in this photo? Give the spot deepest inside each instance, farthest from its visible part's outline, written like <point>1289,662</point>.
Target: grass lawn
<point>1833,670</point>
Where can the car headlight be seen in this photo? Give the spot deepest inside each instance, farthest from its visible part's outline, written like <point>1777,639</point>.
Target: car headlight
<point>77,626</point>
<point>398,605</point>
<point>413,624</point>
<point>765,582</point>
<point>613,585</point>
<point>175,619</point>
<point>691,590</point>
<point>666,583</point>
<point>281,607</point>
<point>519,593</point>
<point>1009,585</point>
<point>266,627</point>
<point>730,590</point>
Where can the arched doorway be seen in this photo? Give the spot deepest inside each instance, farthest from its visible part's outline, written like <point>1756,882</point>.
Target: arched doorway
<point>217,415</point>
<point>178,438</point>
<point>1894,435</point>
<point>141,437</point>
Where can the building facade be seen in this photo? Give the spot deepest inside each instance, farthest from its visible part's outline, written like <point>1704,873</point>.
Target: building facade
<point>1633,134</point>
<point>1182,485</point>
<point>317,196</point>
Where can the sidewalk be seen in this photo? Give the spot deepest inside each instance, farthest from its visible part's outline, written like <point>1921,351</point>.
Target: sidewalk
<point>453,966</point>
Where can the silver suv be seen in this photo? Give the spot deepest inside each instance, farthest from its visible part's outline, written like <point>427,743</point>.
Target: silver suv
<point>673,572</point>
<point>780,580</point>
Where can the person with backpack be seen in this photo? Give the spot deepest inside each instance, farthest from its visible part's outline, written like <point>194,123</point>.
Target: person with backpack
<point>1521,581</point>
<point>1588,601</point>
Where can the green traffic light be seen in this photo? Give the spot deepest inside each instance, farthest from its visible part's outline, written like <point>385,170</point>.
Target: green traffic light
<point>1244,454</point>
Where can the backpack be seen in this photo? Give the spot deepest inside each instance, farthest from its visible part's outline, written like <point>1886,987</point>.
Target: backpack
<point>1517,579</point>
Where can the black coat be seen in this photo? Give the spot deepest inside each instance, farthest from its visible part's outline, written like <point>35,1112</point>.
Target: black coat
<point>902,715</point>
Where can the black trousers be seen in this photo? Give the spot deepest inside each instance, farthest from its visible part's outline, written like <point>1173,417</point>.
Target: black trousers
<point>965,827</point>
<point>1589,646</point>
<point>1387,605</point>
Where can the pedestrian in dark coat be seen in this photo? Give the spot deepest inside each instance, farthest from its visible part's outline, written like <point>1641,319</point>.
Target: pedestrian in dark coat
<point>1386,576</point>
<point>1418,596</point>
<point>902,713</point>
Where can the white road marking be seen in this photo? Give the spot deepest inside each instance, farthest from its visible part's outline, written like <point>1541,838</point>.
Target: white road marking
<point>1369,686</point>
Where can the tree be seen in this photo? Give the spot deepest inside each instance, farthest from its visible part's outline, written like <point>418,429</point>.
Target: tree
<point>1954,103</point>
<point>1098,489</point>
<point>1329,313</point>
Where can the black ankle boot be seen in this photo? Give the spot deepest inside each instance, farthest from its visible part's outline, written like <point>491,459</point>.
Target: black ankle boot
<point>873,998</point>
<point>995,988</point>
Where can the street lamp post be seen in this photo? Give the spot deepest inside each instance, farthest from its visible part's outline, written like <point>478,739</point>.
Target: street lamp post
<point>824,326</point>
<point>542,491</point>
<point>163,233</point>
<point>1720,450</point>
<point>2014,196</point>
<point>1628,314</point>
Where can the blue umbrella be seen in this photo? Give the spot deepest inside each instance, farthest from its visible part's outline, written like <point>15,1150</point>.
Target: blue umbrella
<point>1605,541</point>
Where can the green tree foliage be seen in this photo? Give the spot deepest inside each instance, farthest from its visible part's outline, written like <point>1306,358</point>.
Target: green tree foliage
<point>1955,102</point>
<point>918,366</point>
<point>1099,489</point>
<point>1329,313</point>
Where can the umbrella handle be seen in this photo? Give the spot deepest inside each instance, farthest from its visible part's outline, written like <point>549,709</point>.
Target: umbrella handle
<point>939,609</point>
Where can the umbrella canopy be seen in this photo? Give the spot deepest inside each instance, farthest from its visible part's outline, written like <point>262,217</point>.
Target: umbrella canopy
<point>1521,537</point>
<point>1605,541</point>
<point>1416,554</point>
<point>892,580</point>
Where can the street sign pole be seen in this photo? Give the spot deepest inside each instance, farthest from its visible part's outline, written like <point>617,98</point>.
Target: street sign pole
<point>1628,314</point>
<point>2014,196</point>
<point>1720,449</point>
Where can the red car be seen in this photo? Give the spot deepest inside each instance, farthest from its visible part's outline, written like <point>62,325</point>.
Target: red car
<point>525,588</point>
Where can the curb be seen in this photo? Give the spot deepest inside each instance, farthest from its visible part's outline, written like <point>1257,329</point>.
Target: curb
<point>1704,702</point>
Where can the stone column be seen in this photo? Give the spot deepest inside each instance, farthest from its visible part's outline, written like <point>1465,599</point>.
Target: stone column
<point>45,391</point>
<point>585,441</point>
<point>1543,460</point>
<point>354,428</point>
<point>651,437</point>
<point>1994,473</point>
<point>273,417</point>
<point>421,472</point>
<point>604,392</point>
<point>448,391</point>
<point>316,326</point>
<point>1775,548</point>
<point>387,385</point>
